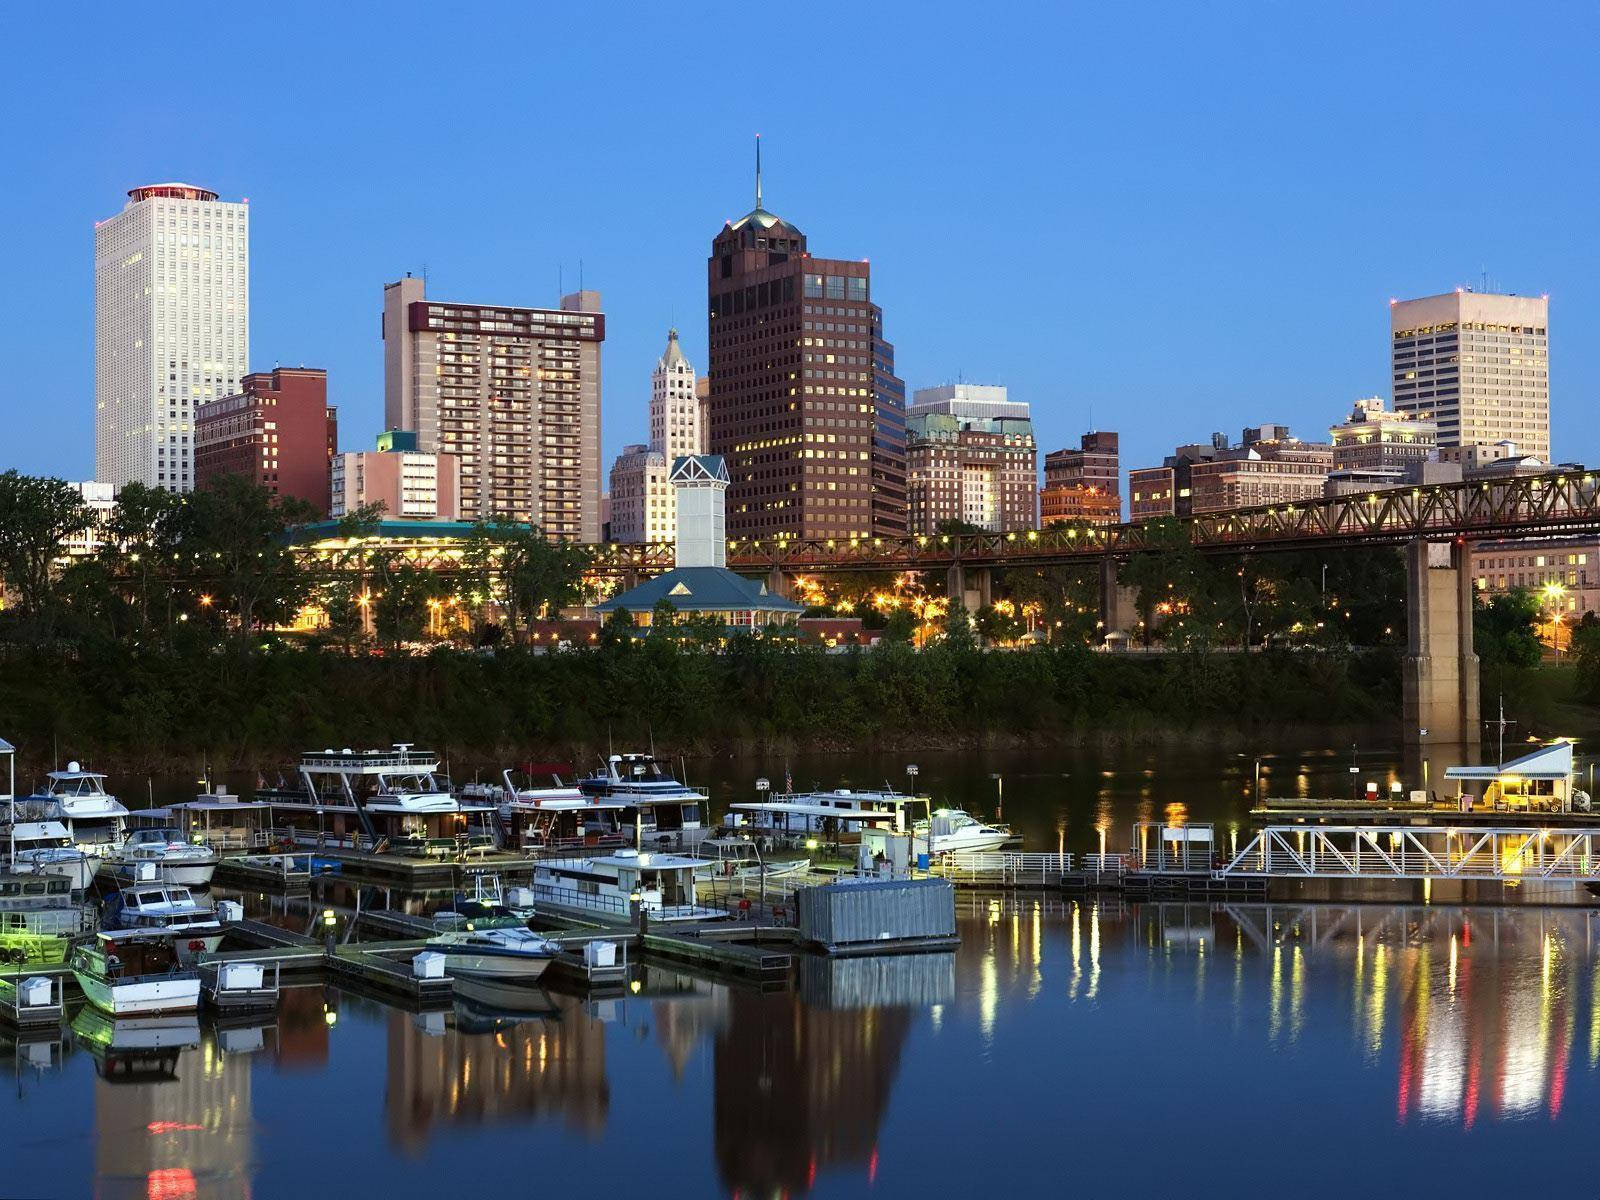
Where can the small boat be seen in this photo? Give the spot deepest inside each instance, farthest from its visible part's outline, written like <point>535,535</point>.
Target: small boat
<point>131,973</point>
<point>166,909</point>
<point>738,858</point>
<point>955,831</point>
<point>504,953</point>
<point>176,860</point>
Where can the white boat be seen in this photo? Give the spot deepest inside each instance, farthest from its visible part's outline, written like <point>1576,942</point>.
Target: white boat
<point>508,953</point>
<point>43,848</point>
<point>658,812</point>
<point>94,819</point>
<point>133,974</point>
<point>165,909</point>
<point>606,885</point>
<point>740,858</point>
<point>838,815</point>
<point>175,860</point>
<point>955,831</point>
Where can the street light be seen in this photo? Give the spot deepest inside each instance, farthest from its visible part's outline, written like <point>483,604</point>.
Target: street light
<point>911,773</point>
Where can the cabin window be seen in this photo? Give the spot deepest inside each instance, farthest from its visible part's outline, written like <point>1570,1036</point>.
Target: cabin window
<point>34,887</point>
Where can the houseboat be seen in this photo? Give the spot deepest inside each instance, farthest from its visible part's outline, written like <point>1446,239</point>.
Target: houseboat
<point>95,821</point>
<point>657,812</point>
<point>158,908</point>
<point>393,799</point>
<point>219,819</point>
<point>130,973</point>
<point>834,816</point>
<point>606,885</point>
<point>175,859</point>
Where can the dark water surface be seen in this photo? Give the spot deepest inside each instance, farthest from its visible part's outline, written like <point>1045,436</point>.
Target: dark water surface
<point>1092,1048</point>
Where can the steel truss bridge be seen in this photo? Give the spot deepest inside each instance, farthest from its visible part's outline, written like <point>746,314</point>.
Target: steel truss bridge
<point>1417,852</point>
<point>1521,506</point>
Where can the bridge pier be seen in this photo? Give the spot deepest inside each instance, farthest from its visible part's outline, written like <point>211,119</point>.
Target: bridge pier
<point>1441,667</point>
<point>974,587</point>
<point>1118,604</point>
<point>780,583</point>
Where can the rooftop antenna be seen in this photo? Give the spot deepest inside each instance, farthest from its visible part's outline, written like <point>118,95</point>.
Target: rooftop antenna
<point>758,170</point>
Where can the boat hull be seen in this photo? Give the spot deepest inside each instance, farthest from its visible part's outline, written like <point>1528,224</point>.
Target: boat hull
<point>140,997</point>
<point>80,869</point>
<point>523,967</point>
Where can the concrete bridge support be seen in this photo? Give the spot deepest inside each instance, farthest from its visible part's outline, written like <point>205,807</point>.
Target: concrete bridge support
<point>1441,668</point>
<point>780,583</point>
<point>973,585</point>
<point>1119,607</point>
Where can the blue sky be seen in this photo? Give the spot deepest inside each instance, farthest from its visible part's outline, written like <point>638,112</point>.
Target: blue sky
<point>1160,219</point>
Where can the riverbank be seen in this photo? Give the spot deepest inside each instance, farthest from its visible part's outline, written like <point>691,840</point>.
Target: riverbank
<point>160,712</point>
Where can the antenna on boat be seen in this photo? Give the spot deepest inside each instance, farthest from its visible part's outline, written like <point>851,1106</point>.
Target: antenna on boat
<point>1502,723</point>
<point>650,729</point>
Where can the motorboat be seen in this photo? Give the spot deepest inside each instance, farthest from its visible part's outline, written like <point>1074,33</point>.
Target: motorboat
<point>175,859</point>
<point>505,953</point>
<point>44,848</point>
<point>132,973</point>
<point>39,914</point>
<point>95,821</point>
<point>663,886</point>
<point>957,832</point>
<point>166,909</point>
<point>741,858</point>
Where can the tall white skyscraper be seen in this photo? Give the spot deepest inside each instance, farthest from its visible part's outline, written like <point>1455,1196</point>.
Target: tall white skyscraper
<point>172,328</point>
<point>1476,363</point>
<point>643,499</point>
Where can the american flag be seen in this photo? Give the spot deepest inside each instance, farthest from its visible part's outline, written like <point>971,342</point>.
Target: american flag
<point>788,782</point>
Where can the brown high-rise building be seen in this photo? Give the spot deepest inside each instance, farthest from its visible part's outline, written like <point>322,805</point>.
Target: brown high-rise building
<point>513,393</point>
<point>278,432</point>
<point>798,368</point>
<point>1082,485</point>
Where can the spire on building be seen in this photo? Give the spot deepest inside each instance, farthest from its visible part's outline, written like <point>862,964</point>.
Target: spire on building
<point>758,170</point>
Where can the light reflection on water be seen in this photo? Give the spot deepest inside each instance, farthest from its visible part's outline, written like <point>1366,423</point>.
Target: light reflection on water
<point>1394,1019</point>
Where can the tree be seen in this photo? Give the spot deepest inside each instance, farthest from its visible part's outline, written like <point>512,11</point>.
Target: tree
<point>958,627</point>
<point>522,570</point>
<point>900,626</point>
<point>143,536</point>
<point>238,543</point>
<point>37,516</point>
<point>954,526</point>
<point>1505,631</point>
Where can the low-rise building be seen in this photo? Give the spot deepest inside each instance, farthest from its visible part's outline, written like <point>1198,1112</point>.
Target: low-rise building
<point>1375,439</point>
<point>1269,466</point>
<point>642,505</point>
<point>1082,486</point>
<point>102,499</point>
<point>278,431</point>
<point>412,485</point>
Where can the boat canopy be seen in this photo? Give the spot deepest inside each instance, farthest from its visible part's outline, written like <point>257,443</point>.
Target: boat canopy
<point>801,809</point>
<point>1549,762</point>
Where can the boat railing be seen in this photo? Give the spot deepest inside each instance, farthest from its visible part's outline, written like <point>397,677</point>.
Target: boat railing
<point>358,760</point>
<point>1000,867</point>
<point>1115,865</point>
<point>574,898</point>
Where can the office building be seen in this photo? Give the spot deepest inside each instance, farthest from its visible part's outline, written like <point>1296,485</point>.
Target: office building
<point>643,500</point>
<point>1374,439</point>
<point>277,431</point>
<point>971,459</point>
<point>513,393</point>
<point>890,513</point>
<point>172,328</point>
<point>1269,465</point>
<point>102,501</point>
<point>410,484</point>
<point>1082,486</point>
<point>796,351</point>
<point>1477,364</point>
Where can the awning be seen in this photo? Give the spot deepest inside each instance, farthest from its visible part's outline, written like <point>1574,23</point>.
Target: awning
<point>1548,762</point>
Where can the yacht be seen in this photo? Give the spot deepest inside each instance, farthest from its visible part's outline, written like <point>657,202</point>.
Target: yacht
<point>377,799</point>
<point>39,914</point>
<point>44,848</point>
<point>957,832</point>
<point>159,908</point>
<point>508,953</point>
<point>175,859</point>
<point>94,819</point>
<point>658,812</point>
<point>605,886</point>
<point>130,973</point>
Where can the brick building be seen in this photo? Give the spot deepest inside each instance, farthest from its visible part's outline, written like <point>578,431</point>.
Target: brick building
<point>277,431</point>
<point>1082,485</point>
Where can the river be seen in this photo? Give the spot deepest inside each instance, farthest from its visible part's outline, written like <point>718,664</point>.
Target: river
<point>1095,1047</point>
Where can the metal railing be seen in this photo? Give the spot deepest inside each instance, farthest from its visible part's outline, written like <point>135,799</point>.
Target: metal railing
<point>1417,852</point>
<point>1002,868</point>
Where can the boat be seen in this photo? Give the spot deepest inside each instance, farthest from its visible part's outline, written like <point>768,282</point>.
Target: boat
<point>657,811</point>
<point>605,885</point>
<point>558,816</point>
<point>175,860</point>
<point>219,819</point>
<point>165,909</point>
<point>131,973</point>
<point>44,848</point>
<point>840,815</point>
<point>957,832</point>
<point>381,800</point>
<point>507,953</point>
<point>95,821</point>
<point>39,915</point>
<point>741,858</point>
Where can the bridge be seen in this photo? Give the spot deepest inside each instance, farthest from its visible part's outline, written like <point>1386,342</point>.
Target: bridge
<point>1507,854</point>
<point>1435,524</point>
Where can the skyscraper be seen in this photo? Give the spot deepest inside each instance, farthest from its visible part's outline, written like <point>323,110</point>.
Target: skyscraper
<point>172,328</point>
<point>792,408</point>
<point>513,393</point>
<point>1477,364</point>
<point>643,500</point>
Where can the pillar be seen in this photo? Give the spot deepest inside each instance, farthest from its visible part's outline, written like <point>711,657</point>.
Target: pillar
<point>1118,608</point>
<point>974,587</point>
<point>780,584</point>
<point>1441,667</point>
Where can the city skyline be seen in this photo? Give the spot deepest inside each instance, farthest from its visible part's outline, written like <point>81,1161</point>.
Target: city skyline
<point>1132,322</point>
